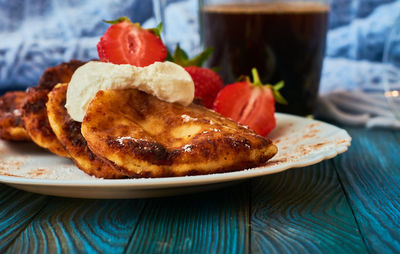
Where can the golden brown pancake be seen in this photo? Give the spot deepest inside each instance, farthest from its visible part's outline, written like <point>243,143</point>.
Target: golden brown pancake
<point>37,123</point>
<point>11,124</point>
<point>34,109</point>
<point>147,137</point>
<point>69,134</point>
<point>61,73</point>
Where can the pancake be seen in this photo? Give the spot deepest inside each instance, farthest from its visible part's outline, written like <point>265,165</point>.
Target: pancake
<point>68,132</point>
<point>11,124</point>
<point>147,137</point>
<point>34,109</point>
<point>61,73</point>
<point>37,123</point>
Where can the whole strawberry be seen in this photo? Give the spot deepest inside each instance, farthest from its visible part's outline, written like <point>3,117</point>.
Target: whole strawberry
<point>125,42</point>
<point>251,104</point>
<point>207,82</point>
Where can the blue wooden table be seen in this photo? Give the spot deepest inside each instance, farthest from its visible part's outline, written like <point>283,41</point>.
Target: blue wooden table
<point>350,204</point>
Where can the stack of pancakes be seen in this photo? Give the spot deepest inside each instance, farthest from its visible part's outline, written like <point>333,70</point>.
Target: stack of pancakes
<point>128,133</point>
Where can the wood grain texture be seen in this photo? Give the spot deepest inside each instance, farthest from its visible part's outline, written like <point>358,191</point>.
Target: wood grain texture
<point>17,208</point>
<point>300,210</point>
<point>370,173</point>
<point>303,211</point>
<point>212,222</point>
<point>79,225</point>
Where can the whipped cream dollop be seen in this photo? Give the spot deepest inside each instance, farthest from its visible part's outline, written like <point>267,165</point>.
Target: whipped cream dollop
<point>165,80</point>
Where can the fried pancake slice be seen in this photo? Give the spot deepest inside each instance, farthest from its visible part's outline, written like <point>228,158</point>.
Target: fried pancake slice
<point>147,137</point>
<point>69,134</point>
<point>34,109</point>
<point>37,123</point>
<point>61,73</point>
<point>11,124</point>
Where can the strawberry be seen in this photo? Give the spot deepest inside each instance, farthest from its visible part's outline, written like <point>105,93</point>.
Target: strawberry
<point>251,104</point>
<point>125,42</point>
<point>207,83</point>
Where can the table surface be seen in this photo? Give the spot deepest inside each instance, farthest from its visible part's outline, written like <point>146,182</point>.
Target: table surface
<point>349,204</point>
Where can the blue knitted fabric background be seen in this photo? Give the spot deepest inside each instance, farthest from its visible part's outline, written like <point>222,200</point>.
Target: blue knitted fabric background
<point>36,34</point>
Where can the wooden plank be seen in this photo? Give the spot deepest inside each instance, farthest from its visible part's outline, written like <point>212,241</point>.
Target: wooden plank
<point>212,222</point>
<point>79,225</point>
<point>17,208</point>
<point>303,211</point>
<point>370,173</point>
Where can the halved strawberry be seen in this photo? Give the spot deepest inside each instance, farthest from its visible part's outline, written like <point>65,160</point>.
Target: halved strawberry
<point>207,83</point>
<point>251,104</point>
<point>125,42</point>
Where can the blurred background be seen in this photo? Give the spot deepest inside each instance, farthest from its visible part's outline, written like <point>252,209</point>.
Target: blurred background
<point>36,34</point>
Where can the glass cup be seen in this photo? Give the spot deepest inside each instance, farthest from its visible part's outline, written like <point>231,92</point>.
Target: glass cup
<point>391,57</point>
<point>284,40</point>
<point>180,24</point>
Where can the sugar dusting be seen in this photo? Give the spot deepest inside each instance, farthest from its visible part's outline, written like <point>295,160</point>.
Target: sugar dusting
<point>299,142</point>
<point>28,161</point>
<point>58,172</point>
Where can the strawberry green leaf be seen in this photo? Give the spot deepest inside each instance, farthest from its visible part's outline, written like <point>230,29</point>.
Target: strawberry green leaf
<point>216,68</point>
<point>277,95</point>
<point>180,57</point>
<point>256,77</point>
<point>201,58</point>
<point>243,78</point>
<point>118,20</point>
<point>157,30</point>
<point>169,57</point>
<point>278,86</point>
<point>279,98</point>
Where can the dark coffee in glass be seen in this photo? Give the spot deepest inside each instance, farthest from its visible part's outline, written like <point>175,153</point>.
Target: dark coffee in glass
<point>283,40</point>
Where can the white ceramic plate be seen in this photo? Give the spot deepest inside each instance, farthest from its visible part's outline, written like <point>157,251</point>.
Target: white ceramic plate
<point>301,142</point>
